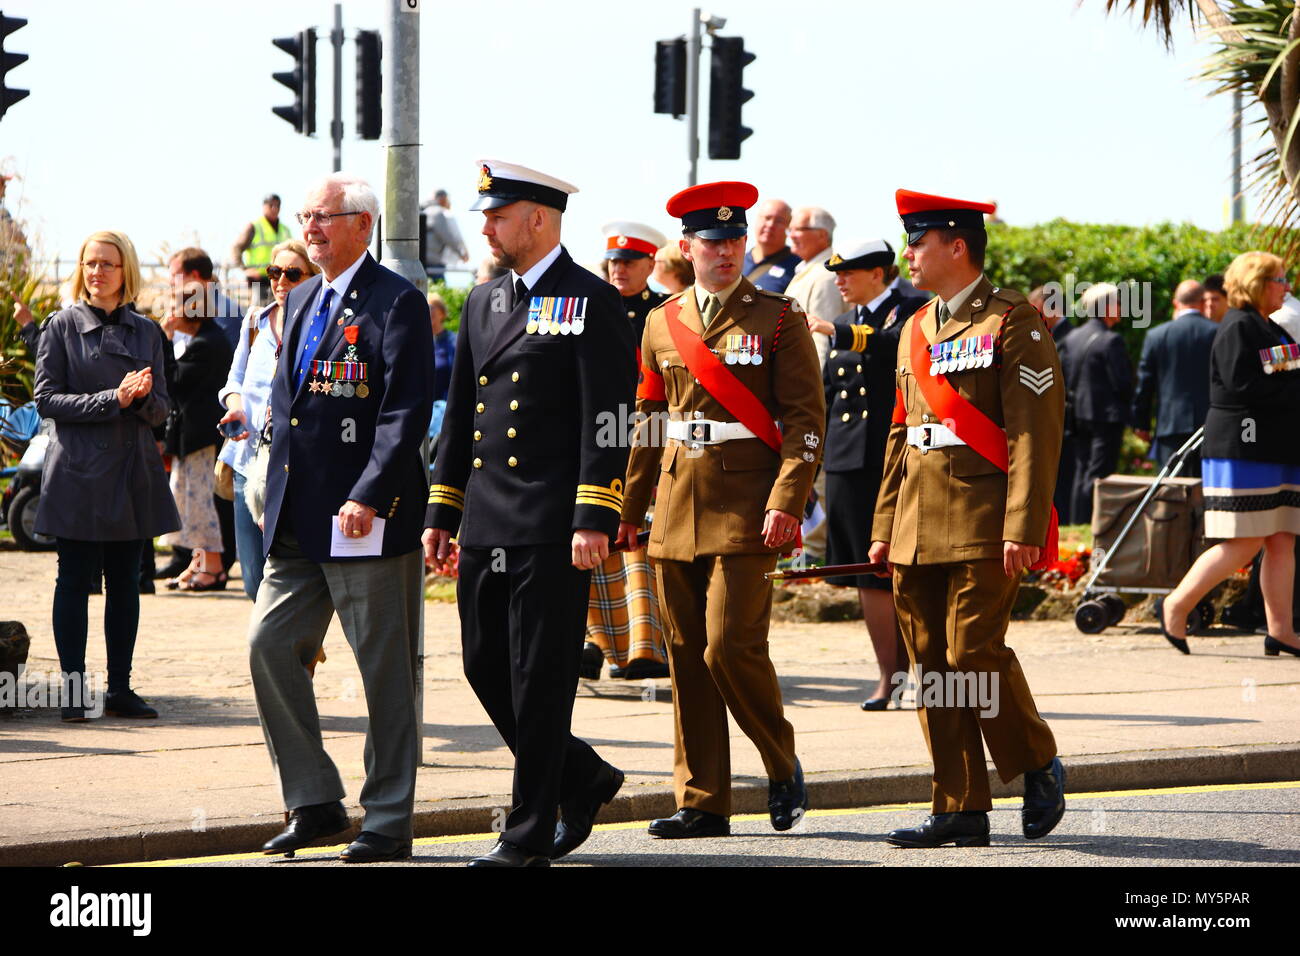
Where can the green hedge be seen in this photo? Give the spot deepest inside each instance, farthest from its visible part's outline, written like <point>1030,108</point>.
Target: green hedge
<point>455,299</point>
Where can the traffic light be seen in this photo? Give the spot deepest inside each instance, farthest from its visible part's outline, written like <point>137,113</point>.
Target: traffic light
<point>8,96</point>
<point>670,76</point>
<point>301,80</point>
<point>727,96</point>
<point>370,114</point>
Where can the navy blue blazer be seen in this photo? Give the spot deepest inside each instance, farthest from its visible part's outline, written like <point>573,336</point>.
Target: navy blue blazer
<point>1174,374</point>
<point>1098,373</point>
<point>326,450</point>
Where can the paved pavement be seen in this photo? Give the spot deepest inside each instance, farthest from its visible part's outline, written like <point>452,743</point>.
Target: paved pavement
<point>1127,711</point>
<point>1172,827</point>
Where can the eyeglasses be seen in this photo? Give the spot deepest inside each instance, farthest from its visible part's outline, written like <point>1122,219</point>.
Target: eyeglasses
<point>100,265</point>
<point>293,274</point>
<point>306,218</point>
<point>1280,280</point>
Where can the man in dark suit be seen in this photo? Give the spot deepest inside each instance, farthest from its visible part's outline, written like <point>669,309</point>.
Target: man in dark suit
<point>1174,374</point>
<point>529,477</point>
<point>1099,377</point>
<point>344,503</point>
<point>859,382</point>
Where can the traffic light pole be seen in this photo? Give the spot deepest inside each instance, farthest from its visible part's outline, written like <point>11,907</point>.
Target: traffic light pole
<point>336,124</point>
<point>693,97</point>
<point>401,141</point>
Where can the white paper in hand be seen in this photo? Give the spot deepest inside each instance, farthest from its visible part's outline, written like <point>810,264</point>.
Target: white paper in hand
<point>368,546</point>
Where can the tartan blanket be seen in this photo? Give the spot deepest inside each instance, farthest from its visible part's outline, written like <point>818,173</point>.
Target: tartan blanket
<point>623,611</point>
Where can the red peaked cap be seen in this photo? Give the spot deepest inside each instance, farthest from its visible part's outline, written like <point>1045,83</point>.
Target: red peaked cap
<point>921,212</point>
<point>714,210</point>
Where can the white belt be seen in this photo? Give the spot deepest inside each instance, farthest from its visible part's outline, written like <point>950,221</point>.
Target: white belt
<point>701,431</point>
<point>926,437</point>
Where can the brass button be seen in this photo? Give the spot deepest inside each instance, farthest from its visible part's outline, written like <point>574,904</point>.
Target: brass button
<point>514,405</point>
<point>293,421</point>
<point>514,376</point>
<point>839,371</point>
<point>482,379</point>
<point>859,368</point>
<point>478,462</point>
<point>844,393</point>
<point>512,461</point>
<point>925,419</point>
<point>864,413</point>
<point>478,436</point>
<point>834,352</point>
<point>862,391</point>
<point>510,433</point>
<point>286,467</point>
<point>844,417</point>
<point>631,315</point>
<point>479,408</point>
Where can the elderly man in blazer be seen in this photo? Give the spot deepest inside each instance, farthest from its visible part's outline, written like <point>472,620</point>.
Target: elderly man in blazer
<point>1174,375</point>
<point>344,512</point>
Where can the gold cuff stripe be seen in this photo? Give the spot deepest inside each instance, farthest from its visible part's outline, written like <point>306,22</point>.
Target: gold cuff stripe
<point>438,500</point>
<point>615,488</point>
<point>860,335</point>
<point>585,500</point>
<point>447,495</point>
<point>601,496</point>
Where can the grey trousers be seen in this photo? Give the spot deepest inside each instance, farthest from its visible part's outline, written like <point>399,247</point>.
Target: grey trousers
<point>378,604</point>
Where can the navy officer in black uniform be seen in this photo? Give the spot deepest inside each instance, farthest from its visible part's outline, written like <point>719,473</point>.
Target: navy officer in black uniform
<point>859,381</point>
<point>544,356</point>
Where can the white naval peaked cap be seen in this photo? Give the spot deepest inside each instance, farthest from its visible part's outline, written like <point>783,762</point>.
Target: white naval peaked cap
<point>863,254</point>
<point>631,240</point>
<point>500,184</point>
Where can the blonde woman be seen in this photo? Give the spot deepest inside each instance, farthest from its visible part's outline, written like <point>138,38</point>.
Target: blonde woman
<point>247,393</point>
<point>1250,461</point>
<point>99,376</point>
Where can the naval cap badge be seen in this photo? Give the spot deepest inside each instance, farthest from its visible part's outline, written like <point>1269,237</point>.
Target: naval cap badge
<point>484,179</point>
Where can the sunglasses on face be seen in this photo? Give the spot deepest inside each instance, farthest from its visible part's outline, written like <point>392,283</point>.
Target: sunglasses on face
<point>293,274</point>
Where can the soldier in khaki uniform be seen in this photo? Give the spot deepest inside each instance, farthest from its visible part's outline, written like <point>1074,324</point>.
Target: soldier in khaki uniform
<point>958,527</point>
<point>731,487</point>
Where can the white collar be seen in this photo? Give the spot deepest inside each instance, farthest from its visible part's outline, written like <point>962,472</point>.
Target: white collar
<point>534,274</point>
<point>344,279</point>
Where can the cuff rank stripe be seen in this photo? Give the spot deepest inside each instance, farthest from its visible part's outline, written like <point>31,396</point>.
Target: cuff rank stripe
<point>611,497</point>
<point>447,495</point>
<point>861,333</point>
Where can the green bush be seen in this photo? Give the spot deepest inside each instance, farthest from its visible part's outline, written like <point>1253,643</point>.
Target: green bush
<point>455,299</point>
<point>1070,253</point>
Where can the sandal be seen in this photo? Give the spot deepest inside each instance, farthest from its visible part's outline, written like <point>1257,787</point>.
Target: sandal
<point>182,580</point>
<point>218,582</point>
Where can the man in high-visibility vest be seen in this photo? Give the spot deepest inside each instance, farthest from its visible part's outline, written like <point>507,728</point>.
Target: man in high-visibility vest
<point>253,248</point>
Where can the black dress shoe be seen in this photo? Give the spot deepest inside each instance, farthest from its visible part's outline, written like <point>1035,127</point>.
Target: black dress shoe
<point>307,825</point>
<point>689,823</point>
<point>1044,800</point>
<point>876,703</point>
<point>1273,647</point>
<point>967,828</point>
<point>1178,642</point>
<point>593,659</point>
<point>370,847</point>
<point>643,668</point>
<point>506,853</point>
<point>578,816</point>
<point>127,703</point>
<point>787,800</point>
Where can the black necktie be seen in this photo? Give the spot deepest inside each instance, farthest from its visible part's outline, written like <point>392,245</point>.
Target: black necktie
<point>521,291</point>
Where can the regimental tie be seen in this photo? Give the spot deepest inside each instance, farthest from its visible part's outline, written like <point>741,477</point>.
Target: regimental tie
<point>1280,358</point>
<point>711,308</point>
<point>311,338</point>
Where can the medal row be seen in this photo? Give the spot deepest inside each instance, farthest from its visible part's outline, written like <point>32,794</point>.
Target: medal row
<point>338,389</point>
<point>960,355</point>
<point>556,315</point>
<point>1280,358</point>
<point>743,350</point>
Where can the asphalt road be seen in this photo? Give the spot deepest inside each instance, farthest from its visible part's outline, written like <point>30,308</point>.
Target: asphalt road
<point>1225,825</point>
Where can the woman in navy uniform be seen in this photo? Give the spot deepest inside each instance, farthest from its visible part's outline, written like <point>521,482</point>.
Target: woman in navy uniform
<point>859,382</point>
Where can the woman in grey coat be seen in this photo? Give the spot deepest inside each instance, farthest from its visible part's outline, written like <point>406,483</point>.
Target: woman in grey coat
<point>99,376</point>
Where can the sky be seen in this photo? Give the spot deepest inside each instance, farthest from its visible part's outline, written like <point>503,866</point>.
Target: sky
<point>155,117</point>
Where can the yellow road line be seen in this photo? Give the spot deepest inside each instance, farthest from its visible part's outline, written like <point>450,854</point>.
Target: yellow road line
<point>328,851</point>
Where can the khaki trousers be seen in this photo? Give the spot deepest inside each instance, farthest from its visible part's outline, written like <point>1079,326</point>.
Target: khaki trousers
<point>716,611</point>
<point>953,618</point>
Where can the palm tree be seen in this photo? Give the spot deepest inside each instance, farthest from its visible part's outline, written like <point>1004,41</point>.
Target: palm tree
<point>1258,53</point>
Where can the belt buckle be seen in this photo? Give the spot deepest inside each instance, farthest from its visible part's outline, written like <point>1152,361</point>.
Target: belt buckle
<point>701,432</point>
<point>927,437</point>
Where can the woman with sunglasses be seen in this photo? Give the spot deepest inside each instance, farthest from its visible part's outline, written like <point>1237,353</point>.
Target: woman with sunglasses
<point>99,376</point>
<point>247,394</point>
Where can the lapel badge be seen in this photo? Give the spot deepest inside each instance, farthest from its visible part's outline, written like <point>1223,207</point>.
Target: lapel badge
<point>1035,335</point>
<point>747,298</point>
<point>352,294</point>
<point>350,333</point>
<point>977,303</point>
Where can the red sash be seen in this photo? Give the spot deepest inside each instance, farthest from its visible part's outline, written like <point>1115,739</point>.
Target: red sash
<point>726,388</point>
<point>969,424</point>
<point>718,380</point>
